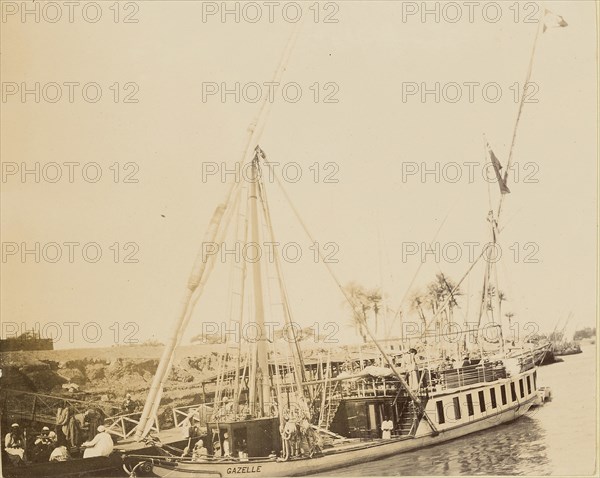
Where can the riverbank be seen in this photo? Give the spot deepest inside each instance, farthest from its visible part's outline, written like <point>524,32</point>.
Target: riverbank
<point>107,374</point>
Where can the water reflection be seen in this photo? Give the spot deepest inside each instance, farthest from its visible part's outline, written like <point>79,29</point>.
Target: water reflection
<point>515,448</point>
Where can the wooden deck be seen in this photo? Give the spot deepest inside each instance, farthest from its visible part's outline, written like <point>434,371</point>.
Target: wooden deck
<point>172,436</point>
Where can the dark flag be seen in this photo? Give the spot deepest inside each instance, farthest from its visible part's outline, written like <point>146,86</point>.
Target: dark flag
<point>552,20</point>
<point>498,170</point>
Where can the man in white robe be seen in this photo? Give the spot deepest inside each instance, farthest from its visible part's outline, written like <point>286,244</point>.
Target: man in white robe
<point>101,445</point>
<point>14,444</point>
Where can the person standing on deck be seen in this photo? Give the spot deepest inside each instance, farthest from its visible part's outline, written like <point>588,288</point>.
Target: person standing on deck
<point>129,405</point>
<point>411,367</point>
<point>226,446</point>
<point>466,361</point>
<point>92,419</point>
<point>386,429</point>
<point>101,445</point>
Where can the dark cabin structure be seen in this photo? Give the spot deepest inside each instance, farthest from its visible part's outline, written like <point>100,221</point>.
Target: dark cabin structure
<point>258,437</point>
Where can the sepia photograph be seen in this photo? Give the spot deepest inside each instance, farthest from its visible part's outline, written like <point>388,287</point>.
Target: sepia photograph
<point>349,238</point>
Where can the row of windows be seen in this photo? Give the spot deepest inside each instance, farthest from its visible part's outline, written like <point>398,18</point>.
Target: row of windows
<point>481,399</point>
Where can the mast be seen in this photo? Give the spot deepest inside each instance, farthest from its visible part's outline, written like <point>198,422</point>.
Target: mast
<point>299,371</point>
<point>260,392</point>
<point>164,366</point>
<point>198,274</point>
<point>494,220</point>
<point>521,104</point>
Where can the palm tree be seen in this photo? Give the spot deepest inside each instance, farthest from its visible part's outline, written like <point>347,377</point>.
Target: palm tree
<point>374,298</point>
<point>440,290</point>
<point>362,301</point>
<point>416,304</point>
<point>359,306</point>
<point>501,298</point>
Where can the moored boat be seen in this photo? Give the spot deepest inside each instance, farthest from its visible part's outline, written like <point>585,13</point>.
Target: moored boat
<point>96,466</point>
<point>456,412</point>
<point>269,419</point>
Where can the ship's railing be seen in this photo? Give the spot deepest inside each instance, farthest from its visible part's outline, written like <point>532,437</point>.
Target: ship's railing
<point>124,426</point>
<point>198,414</point>
<point>463,376</point>
<point>42,408</point>
<point>527,363</point>
<point>368,387</point>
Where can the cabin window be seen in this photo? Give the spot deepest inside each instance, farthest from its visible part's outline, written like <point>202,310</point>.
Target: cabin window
<point>534,380</point>
<point>440,412</point>
<point>528,385</point>
<point>457,414</point>
<point>503,394</point>
<point>521,388</point>
<point>481,402</point>
<point>493,397</point>
<point>513,392</point>
<point>470,405</point>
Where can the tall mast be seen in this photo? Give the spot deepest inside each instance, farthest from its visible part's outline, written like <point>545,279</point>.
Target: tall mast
<point>197,277</point>
<point>201,266</point>
<point>494,220</point>
<point>261,365</point>
<point>521,104</point>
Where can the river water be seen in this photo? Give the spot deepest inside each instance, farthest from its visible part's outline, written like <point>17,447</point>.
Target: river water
<point>556,439</point>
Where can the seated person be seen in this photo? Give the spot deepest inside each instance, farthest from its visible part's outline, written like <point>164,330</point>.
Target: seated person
<point>14,444</point>
<point>42,446</point>
<point>60,453</point>
<point>217,449</point>
<point>43,437</point>
<point>101,445</point>
<point>200,452</point>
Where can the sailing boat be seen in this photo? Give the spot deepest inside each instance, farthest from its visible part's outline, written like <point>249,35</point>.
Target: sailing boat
<point>263,421</point>
<point>561,345</point>
<point>269,418</point>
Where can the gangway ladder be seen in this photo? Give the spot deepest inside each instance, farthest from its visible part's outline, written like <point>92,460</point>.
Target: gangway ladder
<point>407,421</point>
<point>330,398</point>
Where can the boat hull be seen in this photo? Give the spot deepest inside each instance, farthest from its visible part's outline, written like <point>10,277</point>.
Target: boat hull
<point>336,458</point>
<point>70,468</point>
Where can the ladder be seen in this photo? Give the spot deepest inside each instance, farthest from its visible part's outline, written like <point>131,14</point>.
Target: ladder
<point>333,398</point>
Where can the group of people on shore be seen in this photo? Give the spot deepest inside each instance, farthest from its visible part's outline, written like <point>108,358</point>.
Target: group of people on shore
<point>73,431</point>
<point>47,448</point>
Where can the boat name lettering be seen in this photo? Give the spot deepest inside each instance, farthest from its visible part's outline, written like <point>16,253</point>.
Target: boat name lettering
<point>243,469</point>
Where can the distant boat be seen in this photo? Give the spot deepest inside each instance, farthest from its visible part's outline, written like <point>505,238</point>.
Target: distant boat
<point>568,348</point>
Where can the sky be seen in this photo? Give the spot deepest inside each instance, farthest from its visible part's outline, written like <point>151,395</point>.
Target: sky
<point>370,136</point>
